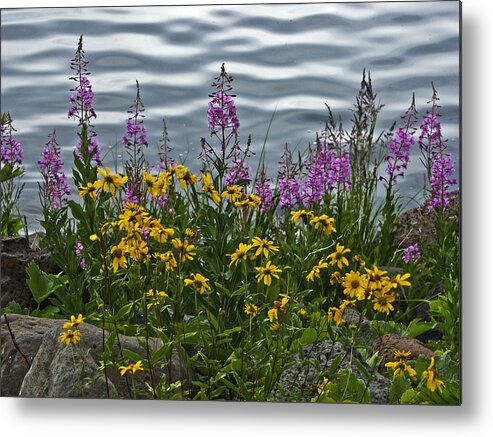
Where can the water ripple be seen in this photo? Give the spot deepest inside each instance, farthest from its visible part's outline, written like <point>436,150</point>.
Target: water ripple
<point>289,58</point>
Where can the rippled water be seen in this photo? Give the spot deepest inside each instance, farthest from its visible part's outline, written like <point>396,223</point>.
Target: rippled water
<point>293,57</point>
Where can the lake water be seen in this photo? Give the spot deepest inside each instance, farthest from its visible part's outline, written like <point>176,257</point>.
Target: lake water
<point>293,57</point>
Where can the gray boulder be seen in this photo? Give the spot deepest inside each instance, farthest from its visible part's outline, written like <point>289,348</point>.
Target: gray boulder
<point>19,348</point>
<point>55,370</point>
<point>301,380</point>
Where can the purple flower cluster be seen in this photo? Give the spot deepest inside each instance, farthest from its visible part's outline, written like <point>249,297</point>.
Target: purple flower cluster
<point>264,191</point>
<point>221,113</point>
<point>398,154</point>
<point>240,171</point>
<point>289,192</point>
<point>78,248</point>
<point>55,189</point>
<point>430,137</point>
<point>81,103</point>
<point>93,150</point>
<point>325,172</point>
<point>136,133</point>
<point>442,172</point>
<point>11,152</point>
<point>411,253</point>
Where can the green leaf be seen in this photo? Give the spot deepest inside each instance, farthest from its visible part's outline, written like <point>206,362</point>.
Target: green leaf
<point>417,327</point>
<point>408,397</point>
<point>309,336</point>
<point>39,283</point>
<point>397,389</point>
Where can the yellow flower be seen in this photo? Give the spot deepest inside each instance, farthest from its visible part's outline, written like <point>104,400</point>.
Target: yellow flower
<point>274,327</point>
<point>335,314</point>
<point>111,182</point>
<point>233,192</point>
<point>240,254</point>
<point>74,322</point>
<point>281,304</point>
<point>118,253</point>
<point>272,314</point>
<point>302,312</point>
<point>264,246</point>
<point>430,374</point>
<point>186,178</point>
<point>325,222</point>
<point>401,355</point>
<point>155,297</point>
<point>338,257</point>
<point>168,259</point>
<point>400,368</point>
<point>198,282</point>
<point>137,249</point>
<point>382,301</point>
<point>90,190</point>
<point>400,280</point>
<point>315,271</point>
<point>132,368</point>
<point>347,303</point>
<point>94,237</point>
<point>355,285</point>
<point>160,233</point>
<point>185,248</point>
<point>267,273</point>
<point>208,187</point>
<point>70,337</point>
<point>377,278</point>
<point>335,278</point>
<point>248,200</point>
<point>359,259</point>
<point>302,215</point>
<point>149,181</point>
<point>251,309</point>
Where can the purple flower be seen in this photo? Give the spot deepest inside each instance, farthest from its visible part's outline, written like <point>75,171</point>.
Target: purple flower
<point>288,182</point>
<point>240,171</point>
<point>55,188</point>
<point>221,113</point>
<point>11,152</point>
<point>264,191</point>
<point>135,139</point>
<point>325,172</point>
<point>289,193</point>
<point>81,103</point>
<point>411,253</point>
<point>442,172</point>
<point>93,150</point>
<point>78,247</point>
<point>398,154</point>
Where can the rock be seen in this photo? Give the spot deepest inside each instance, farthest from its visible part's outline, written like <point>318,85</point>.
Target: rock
<point>28,334</point>
<point>75,371</point>
<point>354,317</point>
<point>301,380</point>
<point>15,255</point>
<point>388,343</point>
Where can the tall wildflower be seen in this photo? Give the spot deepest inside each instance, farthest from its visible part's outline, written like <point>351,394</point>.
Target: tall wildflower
<point>400,146</point>
<point>81,108</point>
<point>11,157</point>
<point>224,127</point>
<point>264,191</point>
<point>135,139</point>
<point>239,171</point>
<point>439,165</point>
<point>54,190</point>
<point>288,181</point>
